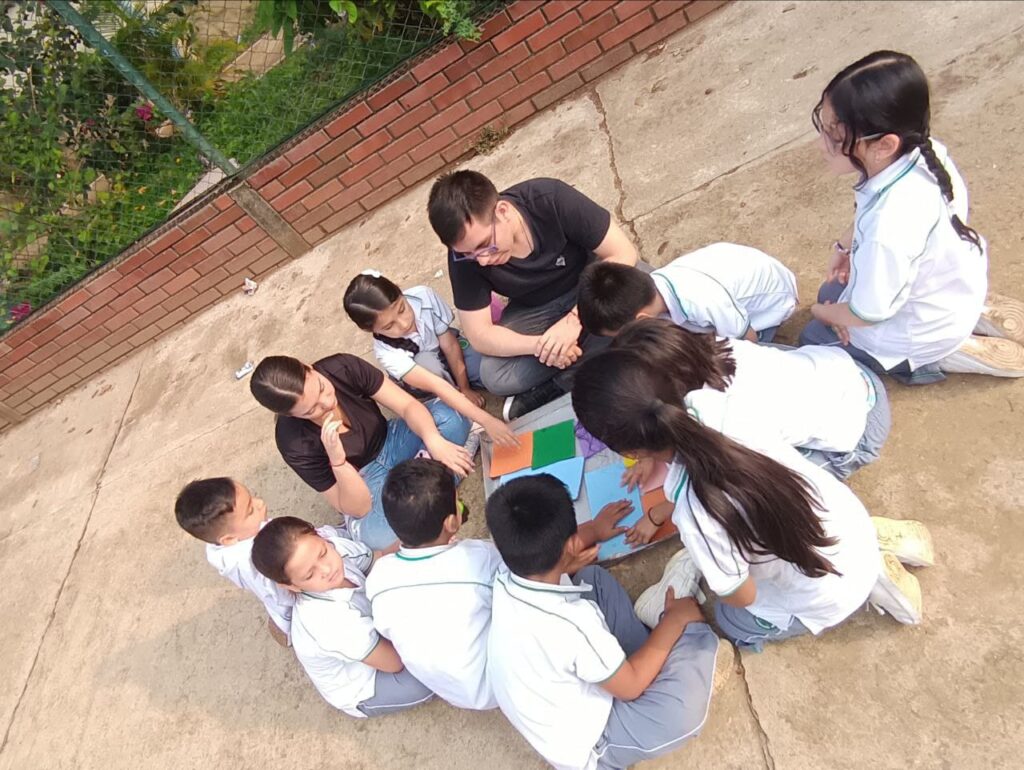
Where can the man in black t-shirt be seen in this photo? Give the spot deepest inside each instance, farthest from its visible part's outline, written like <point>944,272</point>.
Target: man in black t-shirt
<point>530,243</point>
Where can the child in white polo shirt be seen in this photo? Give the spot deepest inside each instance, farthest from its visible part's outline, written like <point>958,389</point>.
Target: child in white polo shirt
<point>733,291</point>
<point>906,288</point>
<point>432,599</point>
<point>351,666</point>
<point>573,667</point>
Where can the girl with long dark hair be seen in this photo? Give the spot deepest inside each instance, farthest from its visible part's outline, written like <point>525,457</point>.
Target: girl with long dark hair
<point>906,287</point>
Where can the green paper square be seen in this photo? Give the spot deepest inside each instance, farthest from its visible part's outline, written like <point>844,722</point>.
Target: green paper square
<point>553,444</point>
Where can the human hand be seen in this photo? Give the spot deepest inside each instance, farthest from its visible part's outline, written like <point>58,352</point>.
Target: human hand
<point>500,433</point>
<point>555,343</point>
<point>476,398</point>
<point>451,455</point>
<point>582,559</point>
<point>332,441</point>
<point>606,523</point>
<point>682,611</point>
<point>641,533</point>
<point>571,356</point>
<point>842,332</point>
<point>839,264</point>
<point>638,474</point>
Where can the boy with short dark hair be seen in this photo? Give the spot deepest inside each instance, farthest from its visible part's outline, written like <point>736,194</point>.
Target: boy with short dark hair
<point>571,651</point>
<point>432,599</point>
<point>733,291</point>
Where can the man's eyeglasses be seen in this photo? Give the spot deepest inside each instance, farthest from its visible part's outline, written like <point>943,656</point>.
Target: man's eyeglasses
<point>483,251</point>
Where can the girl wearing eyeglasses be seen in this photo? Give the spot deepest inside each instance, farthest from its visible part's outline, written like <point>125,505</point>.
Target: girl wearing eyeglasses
<point>906,289</point>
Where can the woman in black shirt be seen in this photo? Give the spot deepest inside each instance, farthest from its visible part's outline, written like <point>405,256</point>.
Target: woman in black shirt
<point>331,432</point>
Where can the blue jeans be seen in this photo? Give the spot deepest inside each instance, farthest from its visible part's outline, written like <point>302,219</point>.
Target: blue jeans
<point>749,632</point>
<point>400,445</point>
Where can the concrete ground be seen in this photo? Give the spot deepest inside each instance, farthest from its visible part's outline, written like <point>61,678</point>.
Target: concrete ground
<point>121,648</point>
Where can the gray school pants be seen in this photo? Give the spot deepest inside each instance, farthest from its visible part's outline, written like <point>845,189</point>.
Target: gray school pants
<point>394,692</point>
<point>749,632</point>
<point>674,707</point>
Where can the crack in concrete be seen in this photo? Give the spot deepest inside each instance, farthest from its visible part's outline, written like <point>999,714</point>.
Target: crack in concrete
<point>595,98</point>
<point>762,735</point>
<point>71,563</point>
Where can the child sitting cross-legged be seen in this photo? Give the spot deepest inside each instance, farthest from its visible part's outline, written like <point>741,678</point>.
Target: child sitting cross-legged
<point>352,667</point>
<point>573,667</point>
<point>734,291</point>
<point>432,599</point>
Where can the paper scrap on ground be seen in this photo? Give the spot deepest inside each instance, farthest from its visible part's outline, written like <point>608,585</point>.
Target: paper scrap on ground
<point>604,486</point>
<point>553,444</point>
<point>589,445</point>
<point>506,459</point>
<point>569,472</point>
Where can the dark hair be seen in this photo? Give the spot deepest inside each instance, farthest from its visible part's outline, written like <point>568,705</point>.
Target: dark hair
<point>418,496</point>
<point>456,197</point>
<point>531,519</point>
<point>765,508</point>
<point>610,295</point>
<point>275,544</point>
<point>279,382</point>
<point>693,359</point>
<point>365,297</point>
<point>202,504</point>
<point>886,92</point>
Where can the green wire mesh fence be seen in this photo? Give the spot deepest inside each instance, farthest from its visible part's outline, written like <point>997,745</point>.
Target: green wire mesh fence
<point>89,164</point>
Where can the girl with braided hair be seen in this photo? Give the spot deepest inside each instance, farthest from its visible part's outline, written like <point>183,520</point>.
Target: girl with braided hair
<point>906,291</point>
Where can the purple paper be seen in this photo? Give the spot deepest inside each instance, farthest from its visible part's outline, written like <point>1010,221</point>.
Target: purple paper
<point>589,445</point>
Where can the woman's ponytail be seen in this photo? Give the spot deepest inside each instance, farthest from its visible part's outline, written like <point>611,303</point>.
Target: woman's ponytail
<point>946,187</point>
<point>694,359</point>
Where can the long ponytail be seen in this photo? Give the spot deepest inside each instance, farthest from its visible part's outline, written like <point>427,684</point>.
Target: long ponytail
<point>694,359</point>
<point>766,509</point>
<point>886,92</point>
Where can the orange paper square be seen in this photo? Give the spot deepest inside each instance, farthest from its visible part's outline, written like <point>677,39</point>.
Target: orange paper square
<point>508,459</point>
<point>648,501</point>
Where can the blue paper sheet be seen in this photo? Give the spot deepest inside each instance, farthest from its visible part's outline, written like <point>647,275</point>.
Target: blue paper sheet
<point>569,472</point>
<point>603,487</point>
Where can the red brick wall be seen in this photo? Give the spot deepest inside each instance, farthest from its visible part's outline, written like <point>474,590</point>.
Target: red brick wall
<point>425,117</point>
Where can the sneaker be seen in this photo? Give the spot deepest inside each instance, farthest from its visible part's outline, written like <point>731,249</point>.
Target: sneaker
<point>1002,317</point>
<point>725,665</point>
<point>472,444</point>
<point>986,355</point>
<point>517,406</point>
<point>463,510</point>
<point>682,576</point>
<point>907,540</point>
<point>897,592</point>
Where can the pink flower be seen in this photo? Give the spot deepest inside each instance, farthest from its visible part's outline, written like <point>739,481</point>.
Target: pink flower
<point>144,112</point>
<point>20,311</point>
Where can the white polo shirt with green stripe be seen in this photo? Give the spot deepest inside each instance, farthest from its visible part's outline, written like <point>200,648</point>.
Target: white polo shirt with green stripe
<point>434,604</point>
<point>548,653</point>
<point>919,285</point>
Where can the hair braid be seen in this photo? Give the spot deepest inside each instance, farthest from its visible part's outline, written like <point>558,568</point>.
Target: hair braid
<point>946,187</point>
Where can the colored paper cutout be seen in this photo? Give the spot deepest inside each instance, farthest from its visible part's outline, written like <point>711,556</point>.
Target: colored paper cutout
<point>569,472</point>
<point>589,445</point>
<point>604,486</point>
<point>506,459</point>
<point>629,462</point>
<point>553,444</point>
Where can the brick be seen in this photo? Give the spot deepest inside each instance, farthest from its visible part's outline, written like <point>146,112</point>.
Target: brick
<point>555,8</point>
<point>503,62</point>
<point>366,148</point>
<point>76,316</point>
<point>307,147</point>
<point>478,119</point>
<point>185,245</point>
<point>341,218</point>
<point>349,119</point>
<point>379,119</point>
<point>199,218</point>
<point>560,89</point>
<point>624,10</point>
<point>156,280</point>
<point>117,352</point>
<point>660,31</point>
<point>554,32</point>
<point>332,170</point>
<point>702,8</point>
<point>221,239</point>
<point>245,224</point>
<point>627,29</point>
<point>362,171</point>
<point>225,287</point>
<point>411,119</point>
<point>223,202</point>
<point>424,91</point>
<point>20,352</point>
<point>167,258</point>
<point>173,318</point>
<point>457,92</point>
<point>575,60</point>
<point>193,258</point>
<point>592,30</point>
<point>611,59</point>
<point>390,93</point>
<point>183,296</point>
<point>271,190</point>
<point>460,149</point>
<point>187,278</point>
<point>103,315</point>
<point>448,118</point>
<point>148,319</point>
<point>266,263</point>
<point>88,369</point>
<point>300,171</point>
<point>131,280</point>
<point>68,367</point>
<point>130,297</point>
<point>490,91</point>
<point>212,278</point>
<point>162,242</point>
<point>349,195</point>
<point>71,301</point>
<point>121,333</point>
<point>315,198</point>
<point>94,340</point>
<point>22,366</point>
<point>433,145</point>
<point>385,193</point>
<point>96,285</point>
<point>541,61</point>
<point>437,62</point>
<point>390,171</point>
<point>523,91</point>
<point>470,62</point>
<point>521,8</point>
<point>291,213</point>
<point>592,8</point>
<point>101,299</point>
<point>663,8</point>
<point>239,245</point>
<point>312,218</point>
<point>421,171</point>
<point>47,335</point>
<point>224,219</point>
<point>145,335</point>
<point>42,398</point>
<point>489,28</point>
<point>204,300</point>
<point>291,195</point>
<point>42,382</point>
<point>398,147</point>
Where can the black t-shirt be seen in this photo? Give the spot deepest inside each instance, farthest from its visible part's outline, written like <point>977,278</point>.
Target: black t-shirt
<point>298,440</point>
<point>566,227</point>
